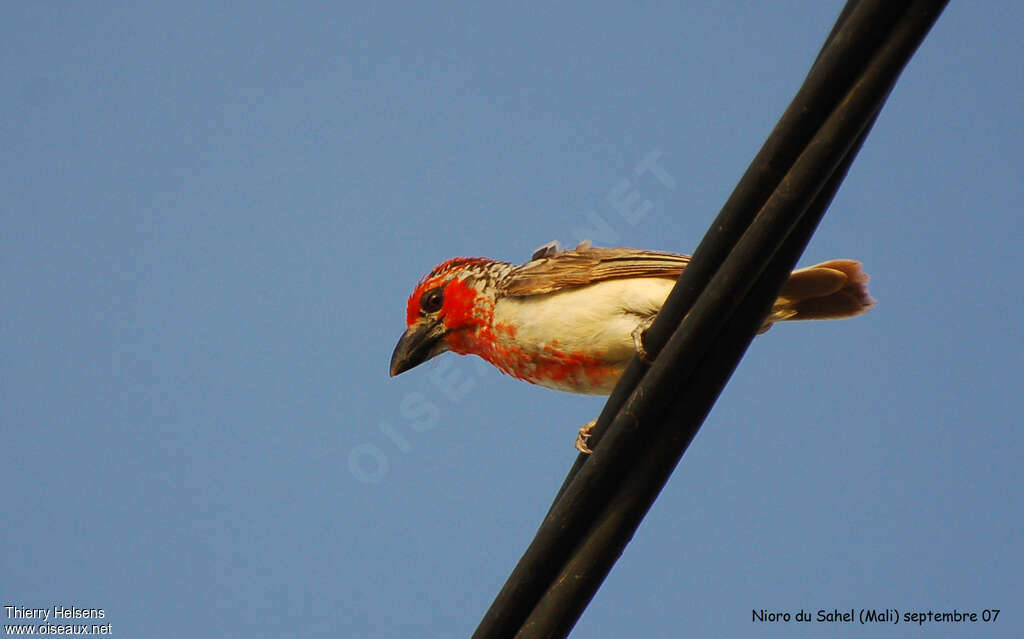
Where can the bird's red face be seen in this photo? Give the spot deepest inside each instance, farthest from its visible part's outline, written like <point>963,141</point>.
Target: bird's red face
<point>446,307</point>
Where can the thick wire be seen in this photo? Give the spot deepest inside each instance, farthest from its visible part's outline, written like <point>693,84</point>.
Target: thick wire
<point>605,498</point>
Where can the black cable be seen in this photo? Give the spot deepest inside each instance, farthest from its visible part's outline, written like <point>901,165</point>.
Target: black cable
<point>839,61</point>
<point>552,582</point>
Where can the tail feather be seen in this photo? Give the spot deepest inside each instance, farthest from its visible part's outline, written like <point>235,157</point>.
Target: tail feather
<point>830,290</point>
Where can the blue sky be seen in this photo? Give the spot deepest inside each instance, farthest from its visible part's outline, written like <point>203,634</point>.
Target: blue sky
<point>212,218</point>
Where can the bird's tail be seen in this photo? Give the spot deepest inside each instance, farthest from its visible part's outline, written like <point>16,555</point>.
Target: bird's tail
<point>830,290</point>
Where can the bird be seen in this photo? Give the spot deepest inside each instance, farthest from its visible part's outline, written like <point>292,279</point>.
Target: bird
<point>571,320</point>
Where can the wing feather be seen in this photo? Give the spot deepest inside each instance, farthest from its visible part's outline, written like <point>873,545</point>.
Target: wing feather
<point>552,271</point>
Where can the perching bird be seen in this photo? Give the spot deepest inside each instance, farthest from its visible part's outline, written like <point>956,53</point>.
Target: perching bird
<point>571,320</point>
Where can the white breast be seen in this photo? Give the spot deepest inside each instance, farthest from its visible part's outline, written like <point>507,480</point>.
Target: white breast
<point>596,320</point>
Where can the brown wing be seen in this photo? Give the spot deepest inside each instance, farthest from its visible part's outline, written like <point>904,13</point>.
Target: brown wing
<point>553,271</point>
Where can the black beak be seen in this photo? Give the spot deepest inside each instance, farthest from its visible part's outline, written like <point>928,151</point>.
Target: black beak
<point>422,341</point>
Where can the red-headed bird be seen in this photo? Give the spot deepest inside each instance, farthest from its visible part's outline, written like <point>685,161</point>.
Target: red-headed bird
<point>571,320</point>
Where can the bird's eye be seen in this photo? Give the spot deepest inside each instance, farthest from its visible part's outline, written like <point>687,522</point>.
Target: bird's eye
<point>432,300</point>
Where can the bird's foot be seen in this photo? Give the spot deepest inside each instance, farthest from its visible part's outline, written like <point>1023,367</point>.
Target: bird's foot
<point>583,436</point>
<point>638,340</point>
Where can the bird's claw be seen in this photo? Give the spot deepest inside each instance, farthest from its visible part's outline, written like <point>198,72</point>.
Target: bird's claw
<point>583,436</point>
<point>638,342</point>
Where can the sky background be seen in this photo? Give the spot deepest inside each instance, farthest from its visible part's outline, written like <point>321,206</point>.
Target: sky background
<point>211,221</point>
